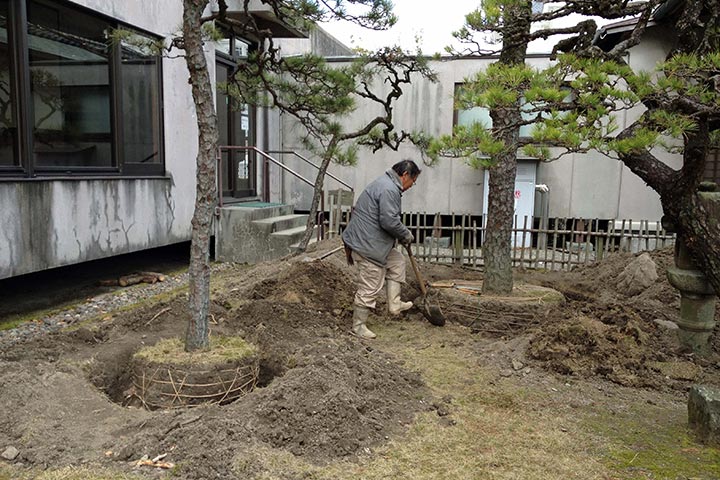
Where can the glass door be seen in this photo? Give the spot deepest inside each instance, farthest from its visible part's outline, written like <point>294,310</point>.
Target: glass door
<point>234,129</point>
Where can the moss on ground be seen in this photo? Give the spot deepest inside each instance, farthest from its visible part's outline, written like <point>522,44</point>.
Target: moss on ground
<point>654,442</point>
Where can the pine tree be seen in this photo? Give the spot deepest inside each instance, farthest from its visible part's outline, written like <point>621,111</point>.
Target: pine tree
<point>573,105</point>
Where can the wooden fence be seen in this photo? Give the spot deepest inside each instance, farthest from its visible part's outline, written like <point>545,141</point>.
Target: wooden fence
<point>561,245</point>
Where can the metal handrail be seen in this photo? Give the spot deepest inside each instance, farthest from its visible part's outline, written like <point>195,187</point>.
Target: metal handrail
<point>266,157</point>
<point>266,173</point>
<point>291,152</point>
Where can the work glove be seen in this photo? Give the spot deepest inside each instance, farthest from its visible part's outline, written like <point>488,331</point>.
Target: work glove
<point>408,240</point>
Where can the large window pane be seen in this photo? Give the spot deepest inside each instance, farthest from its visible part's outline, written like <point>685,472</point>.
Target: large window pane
<point>140,102</point>
<point>8,131</point>
<point>482,115</point>
<point>69,73</point>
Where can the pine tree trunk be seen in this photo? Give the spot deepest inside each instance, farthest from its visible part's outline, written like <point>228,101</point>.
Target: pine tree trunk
<point>196,337</point>
<point>497,248</point>
<point>317,194</point>
<point>695,215</point>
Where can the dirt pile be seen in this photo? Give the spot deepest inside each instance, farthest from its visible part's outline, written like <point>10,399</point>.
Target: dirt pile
<point>603,332</point>
<point>323,393</point>
<point>318,285</point>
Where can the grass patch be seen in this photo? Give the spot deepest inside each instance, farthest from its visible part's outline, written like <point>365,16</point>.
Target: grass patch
<point>66,473</point>
<point>172,351</point>
<point>654,442</point>
<point>9,325</point>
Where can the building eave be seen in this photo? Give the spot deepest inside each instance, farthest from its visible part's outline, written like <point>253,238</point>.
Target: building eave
<point>610,35</point>
<point>265,18</point>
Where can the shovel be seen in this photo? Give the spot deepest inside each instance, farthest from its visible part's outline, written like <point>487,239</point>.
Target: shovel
<point>431,312</point>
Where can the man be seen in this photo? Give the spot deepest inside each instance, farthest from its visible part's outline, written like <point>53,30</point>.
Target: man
<point>370,239</point>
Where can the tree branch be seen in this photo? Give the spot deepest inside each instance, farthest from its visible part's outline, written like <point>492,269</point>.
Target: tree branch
<point>655,173</point>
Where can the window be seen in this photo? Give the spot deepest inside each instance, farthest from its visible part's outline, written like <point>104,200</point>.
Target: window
<point>482,115</point>
<point>84,105</point>
<point>712,167</point>
<point>140,98</point>
<point>8,147</point>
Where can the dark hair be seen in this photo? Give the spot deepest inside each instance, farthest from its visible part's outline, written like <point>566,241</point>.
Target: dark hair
<point>407,166</point>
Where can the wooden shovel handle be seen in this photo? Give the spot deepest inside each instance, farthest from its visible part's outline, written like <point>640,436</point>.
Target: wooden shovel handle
<point>419,277</point>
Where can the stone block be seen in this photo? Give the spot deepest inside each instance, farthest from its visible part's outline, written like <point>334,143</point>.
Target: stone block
<point>10,453</point>
<point>704,413</point>
<point>637,276</point>
<point>579,247</point>
<point>434,242</point>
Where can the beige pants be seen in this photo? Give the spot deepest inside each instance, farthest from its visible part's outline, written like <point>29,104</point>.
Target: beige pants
<point>371,278</point>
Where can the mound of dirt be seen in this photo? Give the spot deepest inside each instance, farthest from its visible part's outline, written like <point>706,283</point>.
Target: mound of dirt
<point>340,397</point>
<point>318,285</point>
<point>602,332</point>
<point>586,346</point>
<point>322,393</point>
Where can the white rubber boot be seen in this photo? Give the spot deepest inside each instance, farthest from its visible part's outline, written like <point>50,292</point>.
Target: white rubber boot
<point>395,305</point>
<point>360,316</point>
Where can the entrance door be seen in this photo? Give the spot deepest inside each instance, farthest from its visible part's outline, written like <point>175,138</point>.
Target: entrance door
<point>234,129</point>
<point>524,199</point>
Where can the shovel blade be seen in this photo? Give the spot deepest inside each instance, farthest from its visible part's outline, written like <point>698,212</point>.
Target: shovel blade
<point>433,314</point>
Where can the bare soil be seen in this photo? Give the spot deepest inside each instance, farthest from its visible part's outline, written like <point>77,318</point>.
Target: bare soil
<point>323,394</point>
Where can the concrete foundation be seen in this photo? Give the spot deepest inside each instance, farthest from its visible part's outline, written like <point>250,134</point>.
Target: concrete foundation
<point>251,234</point>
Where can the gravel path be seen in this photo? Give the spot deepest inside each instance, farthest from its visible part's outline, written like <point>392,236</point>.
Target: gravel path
<point>101,304</point>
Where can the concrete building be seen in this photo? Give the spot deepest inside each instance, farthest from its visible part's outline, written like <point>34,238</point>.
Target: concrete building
<point>98,140</point>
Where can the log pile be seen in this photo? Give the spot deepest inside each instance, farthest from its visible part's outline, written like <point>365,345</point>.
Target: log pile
<point>134,278</point>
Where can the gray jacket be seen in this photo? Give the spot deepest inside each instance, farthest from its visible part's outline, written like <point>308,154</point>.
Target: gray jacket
<point>375,223</point>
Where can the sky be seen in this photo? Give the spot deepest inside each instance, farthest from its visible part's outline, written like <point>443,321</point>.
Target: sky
<point>432,20</point>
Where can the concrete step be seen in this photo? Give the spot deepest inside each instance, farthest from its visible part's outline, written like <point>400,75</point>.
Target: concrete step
<point>295,247</point>
<point>251,233</point>
<point>253,211</point>
<point>280,223</point>
<point>291,236</point>
<point>295,233</point>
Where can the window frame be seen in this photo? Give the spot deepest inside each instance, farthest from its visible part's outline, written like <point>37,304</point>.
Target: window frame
<point>26,167</point>
<point>711,172</point>
<point>457,111</point>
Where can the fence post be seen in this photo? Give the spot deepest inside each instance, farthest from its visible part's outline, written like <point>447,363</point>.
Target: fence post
<point>474,243</point>
<point>457,242</point>
<point>588,241</point>
<point>522,245</point>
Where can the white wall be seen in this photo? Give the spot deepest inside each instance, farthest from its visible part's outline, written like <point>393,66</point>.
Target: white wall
<point>590,185</point>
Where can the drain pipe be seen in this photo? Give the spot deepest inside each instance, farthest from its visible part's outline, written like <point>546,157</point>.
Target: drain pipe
<point>544,192</point>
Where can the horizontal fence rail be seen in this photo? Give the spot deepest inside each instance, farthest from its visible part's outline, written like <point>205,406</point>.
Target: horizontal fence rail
<point>564,244</point>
